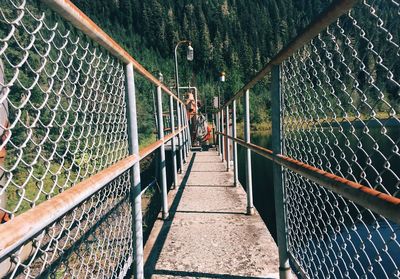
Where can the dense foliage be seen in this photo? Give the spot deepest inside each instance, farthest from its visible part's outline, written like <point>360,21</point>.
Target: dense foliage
<point>234,36</point>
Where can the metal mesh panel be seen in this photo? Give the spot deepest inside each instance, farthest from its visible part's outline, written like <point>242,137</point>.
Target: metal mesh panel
<point>92,241</point>
<point>63,112</point>
<point>341,104</point>
<point>62,119</point>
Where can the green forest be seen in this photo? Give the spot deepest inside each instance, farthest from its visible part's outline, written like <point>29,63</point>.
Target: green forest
<point>237,37</point>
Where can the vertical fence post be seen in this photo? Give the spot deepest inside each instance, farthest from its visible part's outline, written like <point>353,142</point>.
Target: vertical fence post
<point>276,98</point>
<point>213,128</point>
<point>162,164</point>
<point>184,141</point>
<point>228,153</point>
<point>219,131</point>
<point>178,113</point>
<point>183,135</point>
<point>187,130</point>
<point>135,197</point>
<point>235,162</point>
<point>173,147</point>
<point>222,137</point>
<point>249,180</point>
<point>3,133</point>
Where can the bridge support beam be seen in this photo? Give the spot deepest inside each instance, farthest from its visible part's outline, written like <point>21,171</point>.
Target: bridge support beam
<point>249,179</point>
<point>163,170</point>
<point>135,196</point>
<point>173,142</point>
<point>235,162</point>
<point>279,191</point>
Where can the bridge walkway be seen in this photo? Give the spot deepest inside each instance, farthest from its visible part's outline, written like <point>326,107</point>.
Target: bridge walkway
<point>208,234</point>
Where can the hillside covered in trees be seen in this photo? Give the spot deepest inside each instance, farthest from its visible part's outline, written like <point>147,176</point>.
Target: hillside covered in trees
<point>234,36</point>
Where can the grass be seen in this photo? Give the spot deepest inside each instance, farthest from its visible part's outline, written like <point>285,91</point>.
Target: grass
<point>32,186</point>
<point>145,141</point>
<point>255,127</point>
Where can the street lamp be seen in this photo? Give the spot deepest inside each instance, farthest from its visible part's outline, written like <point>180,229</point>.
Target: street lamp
<point>160,77</point>
<point>189,57</point>
<point>221,79</point>
<point>190,53</point>
<point>220,120</point>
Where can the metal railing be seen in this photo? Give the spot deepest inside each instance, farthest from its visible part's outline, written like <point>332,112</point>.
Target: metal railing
<point>70,174</point>
<point>335,93</point>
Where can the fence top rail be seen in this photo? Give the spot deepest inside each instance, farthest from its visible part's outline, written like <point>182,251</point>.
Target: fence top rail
<point>25,226</point>
<point>323,20</point>
<point>376,201</point>
<point>71,13</point>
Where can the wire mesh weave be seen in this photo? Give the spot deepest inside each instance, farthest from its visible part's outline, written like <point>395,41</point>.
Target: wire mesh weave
<point>63,114</point>
<point>341,102</point>
<point>92,241</point>
<point>62,119</point>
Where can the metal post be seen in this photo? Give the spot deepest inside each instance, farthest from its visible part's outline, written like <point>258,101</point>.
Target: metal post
<point>249,180</point>
<point>178,113</point>
<point>135,196</point>
<point>222,138</point>
<point>163,171</point>
<point>213,130</point>
<point>228,154</point>
<point>189,145</point>
<point>3,134</point>
<point>184,139</point>
<point>276,98</point>
<point>219,131</point>
<point>173,147</point>
<point>184,114</point>
<point>235,162</point>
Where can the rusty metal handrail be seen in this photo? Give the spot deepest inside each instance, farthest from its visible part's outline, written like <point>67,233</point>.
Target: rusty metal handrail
<point>155,145</point>
<point>23,227</point>
<point>334,11</point>
<point>71,13</point>
<point>376,201</point>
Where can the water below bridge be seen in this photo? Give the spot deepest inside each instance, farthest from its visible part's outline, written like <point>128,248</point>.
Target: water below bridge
<point>263,189</point>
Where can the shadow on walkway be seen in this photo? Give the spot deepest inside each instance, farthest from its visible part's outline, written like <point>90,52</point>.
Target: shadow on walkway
<point>151,262</point>
<point>204,275</point>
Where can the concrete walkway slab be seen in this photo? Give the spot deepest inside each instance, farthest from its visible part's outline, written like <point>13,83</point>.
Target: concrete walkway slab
<point>208,167</point>
<point>208,234</point>
<point>216,178</point>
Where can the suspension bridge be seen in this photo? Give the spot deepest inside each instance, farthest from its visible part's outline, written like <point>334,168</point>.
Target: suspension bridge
<point>71,195</point>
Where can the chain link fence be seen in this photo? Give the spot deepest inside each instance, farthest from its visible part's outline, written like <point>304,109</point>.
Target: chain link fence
<point>62,120</point>
<point>341,102</point>
<point>63,114</point>
<point>92,241</point>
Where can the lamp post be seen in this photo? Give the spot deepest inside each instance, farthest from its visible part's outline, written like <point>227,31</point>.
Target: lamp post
<point>189,57</point>
<point>221,79</point>
<point>221,118</point>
